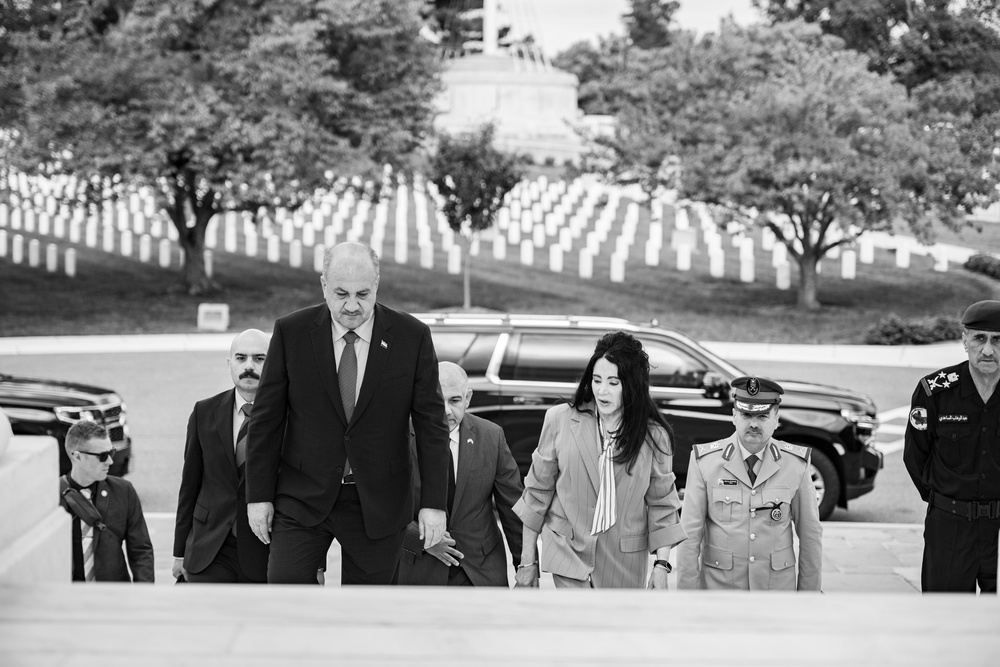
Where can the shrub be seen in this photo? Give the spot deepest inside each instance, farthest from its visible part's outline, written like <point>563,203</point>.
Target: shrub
<point>986,264</point>
<point>894,330</point>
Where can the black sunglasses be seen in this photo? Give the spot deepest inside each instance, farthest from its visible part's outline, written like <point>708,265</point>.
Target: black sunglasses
<point>101,456</point>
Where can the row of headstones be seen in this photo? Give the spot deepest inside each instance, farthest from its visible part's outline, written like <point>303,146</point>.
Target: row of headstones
<point>32,255</point>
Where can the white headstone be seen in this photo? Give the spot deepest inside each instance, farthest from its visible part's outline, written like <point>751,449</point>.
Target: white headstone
<point>44,222</point>
<point>746,249</point>
<point>213,316</point>
<point>17,249</point>
<point>848,265</point>
<point>538,236</point>
<point>145,248</point>
<point>783,276</point>
<point>15,219</point>
<point>251,243</point>
<point>51,258</point>
<point>500,247</point>
<point>940,260</point>
<point>617,268</point>
<point>126,243</point>
<point>212,233</point>
<point>70,262</point>
<point>746,269</point>
<point>295,254</point>
<point>208,259</point>
<point>3,242</point>
<point>652,253</point>
<point>681,218</point>
<point>455,259</point>
<point>527,253</point>
<point>59,226</point>
<point>586,264</point>
<point>866,249</point>
<point>4,215</point>
<point>427,256</point>
<point>683,258</point>
<point>164,253</point>
<point>29,221</point>
<point>318,253</point>
<point>34,253</point>
<point>108,239</point>
<point>717,262</point>
<point>779,255</point>
<point>767,239</point>
<point>903,255</point>
<point>273,249</point>
<point>514,235</point>
<point>555,258</point>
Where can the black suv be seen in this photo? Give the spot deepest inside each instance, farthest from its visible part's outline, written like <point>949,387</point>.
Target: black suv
<point>50,407</point>
<point>520,365</point>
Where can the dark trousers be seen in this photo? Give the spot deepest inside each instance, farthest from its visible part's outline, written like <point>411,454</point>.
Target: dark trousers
<point>457,576</point>
<point>297,551</point>
<point>224,568</point>
<point>959,554</point>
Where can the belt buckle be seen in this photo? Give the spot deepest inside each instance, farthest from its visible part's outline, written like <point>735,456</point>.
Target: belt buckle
<point>987,510</point>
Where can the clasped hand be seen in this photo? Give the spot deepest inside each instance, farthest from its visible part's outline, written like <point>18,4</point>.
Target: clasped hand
<point>445,551</point>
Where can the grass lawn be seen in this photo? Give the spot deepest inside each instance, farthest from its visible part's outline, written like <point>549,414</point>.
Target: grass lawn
<point>115,295</point>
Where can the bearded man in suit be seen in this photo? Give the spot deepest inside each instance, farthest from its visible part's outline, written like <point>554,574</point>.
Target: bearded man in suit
<point>483,475</point>
<point>213,542</point>
<point>328,454</point>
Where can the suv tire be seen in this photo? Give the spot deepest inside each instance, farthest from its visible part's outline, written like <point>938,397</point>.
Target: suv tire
<point>827,482</point>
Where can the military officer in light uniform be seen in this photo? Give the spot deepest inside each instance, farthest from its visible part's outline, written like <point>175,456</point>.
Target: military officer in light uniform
<point>952,452</point>
<point>744,493</point>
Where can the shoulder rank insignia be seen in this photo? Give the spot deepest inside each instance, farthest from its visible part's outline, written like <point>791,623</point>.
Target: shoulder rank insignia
<point>798,450</point>
<point>938,382</point>
<point>701,450</point>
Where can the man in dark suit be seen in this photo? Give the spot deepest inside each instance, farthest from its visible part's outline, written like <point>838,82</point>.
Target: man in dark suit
<point>213,542</point>
<point>97,550</point>
<point>483,473</point>
<point>328,453</point>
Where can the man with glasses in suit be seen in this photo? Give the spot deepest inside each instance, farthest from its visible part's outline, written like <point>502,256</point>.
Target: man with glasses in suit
<point>97,547</point>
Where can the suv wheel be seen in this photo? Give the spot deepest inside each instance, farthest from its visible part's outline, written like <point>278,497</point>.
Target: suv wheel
<point>827,482</point>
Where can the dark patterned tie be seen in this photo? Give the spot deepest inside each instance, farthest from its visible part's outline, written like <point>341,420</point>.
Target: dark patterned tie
<point>451,482</point>
<point>347,374</point>
<point>751,462</point>
<point>241,438</point>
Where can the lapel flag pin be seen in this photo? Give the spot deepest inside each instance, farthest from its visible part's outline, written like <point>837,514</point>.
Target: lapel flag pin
<point>104,492</point>
<point>385,345</point>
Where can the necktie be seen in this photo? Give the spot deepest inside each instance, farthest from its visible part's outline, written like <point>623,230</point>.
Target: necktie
<point>751,463</point>
<point>347,376</point>
<point>451,482</point>
<point>241,438</point>
<point>87,535</point>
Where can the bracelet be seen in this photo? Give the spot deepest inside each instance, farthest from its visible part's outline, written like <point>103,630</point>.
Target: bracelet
<point>664,564</point>
<point>527,565</point>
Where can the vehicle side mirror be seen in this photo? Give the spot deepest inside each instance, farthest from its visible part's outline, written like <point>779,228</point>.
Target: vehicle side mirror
<point>715,385</point>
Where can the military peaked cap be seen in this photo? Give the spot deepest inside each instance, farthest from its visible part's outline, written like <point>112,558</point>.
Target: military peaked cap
<point>753,394</point>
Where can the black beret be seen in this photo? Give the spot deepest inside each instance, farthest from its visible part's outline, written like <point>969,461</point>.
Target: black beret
<point>753,394</point>
<point>983,316</point>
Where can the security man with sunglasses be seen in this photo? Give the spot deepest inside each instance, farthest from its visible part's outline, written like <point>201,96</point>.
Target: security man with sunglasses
<point>744,495</point>
<point>952,452</point>
<point>97,548</point>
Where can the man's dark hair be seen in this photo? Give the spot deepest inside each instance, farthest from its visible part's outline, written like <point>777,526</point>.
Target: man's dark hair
<point>83,432</point>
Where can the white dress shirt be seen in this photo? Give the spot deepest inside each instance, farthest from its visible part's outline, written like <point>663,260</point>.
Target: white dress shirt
<point>453,437</point>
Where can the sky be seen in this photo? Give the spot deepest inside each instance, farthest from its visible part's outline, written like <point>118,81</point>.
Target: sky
<point>563,22</point>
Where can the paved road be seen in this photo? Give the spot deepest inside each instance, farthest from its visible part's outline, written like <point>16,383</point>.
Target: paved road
<point>161,387</point>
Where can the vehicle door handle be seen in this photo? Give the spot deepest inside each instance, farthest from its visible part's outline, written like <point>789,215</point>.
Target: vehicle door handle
<point>524,400</point>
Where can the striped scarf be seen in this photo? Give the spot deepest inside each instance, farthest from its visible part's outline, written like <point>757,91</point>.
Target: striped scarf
<point>604,513</point>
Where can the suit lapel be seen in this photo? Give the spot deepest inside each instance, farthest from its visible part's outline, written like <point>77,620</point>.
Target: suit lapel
<point>584,430</point>
<point>326,360</point>
<point>101,499</point>
<point>378,353</point>
<point>768,464</point>
<point>224,426</point>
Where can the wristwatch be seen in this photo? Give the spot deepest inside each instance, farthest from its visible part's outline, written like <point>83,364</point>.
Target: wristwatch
<point>664,564</point>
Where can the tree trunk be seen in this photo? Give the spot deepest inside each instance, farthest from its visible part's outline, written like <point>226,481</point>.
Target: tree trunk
<point>808,282</point>
<point>467,278</point>
<point>194,279</point>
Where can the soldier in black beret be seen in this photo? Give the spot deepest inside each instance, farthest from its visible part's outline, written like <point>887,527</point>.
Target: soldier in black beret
<point>952,452</point>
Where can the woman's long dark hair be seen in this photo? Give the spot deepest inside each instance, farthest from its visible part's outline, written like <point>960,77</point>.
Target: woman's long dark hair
<point>638,410</point>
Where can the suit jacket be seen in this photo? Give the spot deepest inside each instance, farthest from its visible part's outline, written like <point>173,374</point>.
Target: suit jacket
<point>560,493</point>
<point>735,538</point>
<point>299,436</point>
<point>487,475</point>
<point>119,507</point>
<point>211,495</point>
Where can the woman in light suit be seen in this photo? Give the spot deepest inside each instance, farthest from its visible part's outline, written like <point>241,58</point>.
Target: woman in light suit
<point>601,486</point>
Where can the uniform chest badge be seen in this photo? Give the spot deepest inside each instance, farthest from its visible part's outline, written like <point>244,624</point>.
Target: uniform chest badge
<point>953,418</point>
<point>918,418</point>
<point>727,482</point>
<point>776,514</point>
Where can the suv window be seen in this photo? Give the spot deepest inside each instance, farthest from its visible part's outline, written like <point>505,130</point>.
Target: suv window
<point>469,350</point>
<point>548,357</point>
<point>672,367</point>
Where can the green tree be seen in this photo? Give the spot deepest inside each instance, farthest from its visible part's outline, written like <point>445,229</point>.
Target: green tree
<point>599,70</point>
<point>223,105</point>
<point>811,144</point>
<point>649,23</point>
<point>472,177</point>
